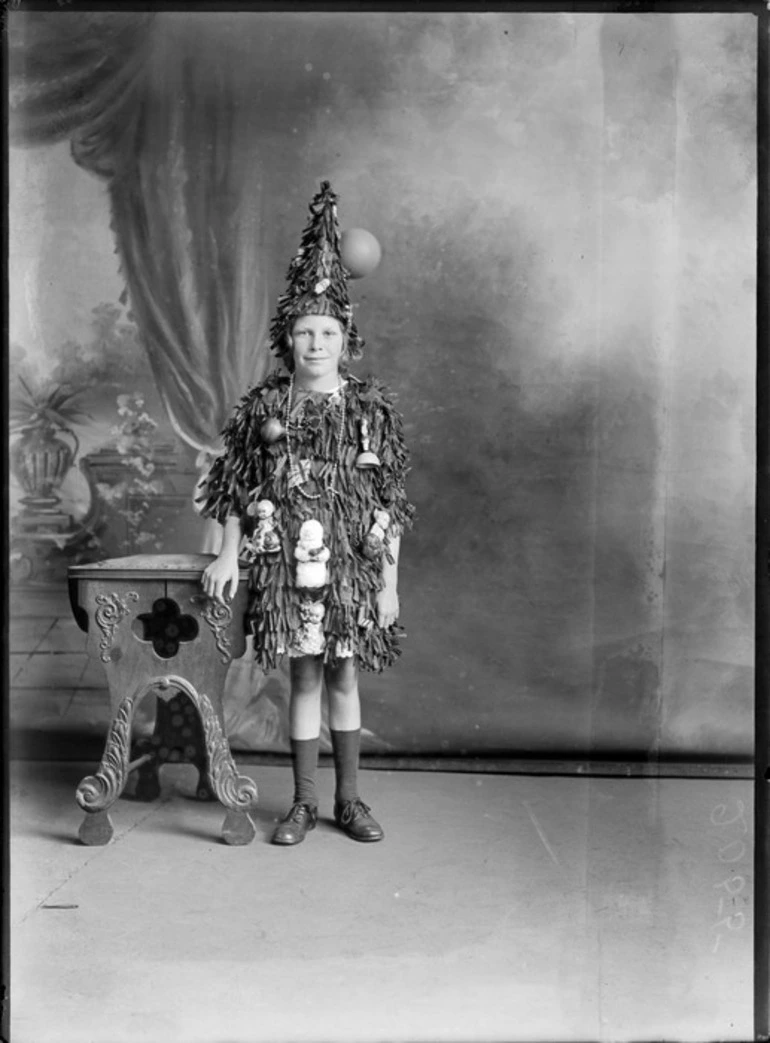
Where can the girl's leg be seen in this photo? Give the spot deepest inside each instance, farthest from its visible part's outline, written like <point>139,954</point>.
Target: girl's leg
<point>351,814</point>
<point>345,726</point>
<point>305,725</point>
<point>344,700</point>
<point>306,673</point>
<point>304,730</point>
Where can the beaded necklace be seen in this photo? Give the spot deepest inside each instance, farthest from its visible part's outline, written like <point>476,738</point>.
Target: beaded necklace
<point>294,470</point>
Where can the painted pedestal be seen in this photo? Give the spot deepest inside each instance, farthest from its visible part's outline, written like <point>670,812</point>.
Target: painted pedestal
<point>156,632</point>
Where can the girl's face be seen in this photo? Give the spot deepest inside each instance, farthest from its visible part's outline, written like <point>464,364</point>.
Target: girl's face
<point>317,343</point>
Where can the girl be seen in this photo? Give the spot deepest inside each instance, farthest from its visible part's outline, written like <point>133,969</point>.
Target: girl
<point>310,487</point>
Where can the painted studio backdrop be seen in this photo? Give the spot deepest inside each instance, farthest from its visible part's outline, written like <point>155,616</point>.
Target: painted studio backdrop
<point>565,308</point>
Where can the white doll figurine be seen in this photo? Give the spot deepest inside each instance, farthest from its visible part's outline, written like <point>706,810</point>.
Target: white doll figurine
<point>310,640</point>
<point>374,541</point>
<point>312,556</point>
<point>265,539</point>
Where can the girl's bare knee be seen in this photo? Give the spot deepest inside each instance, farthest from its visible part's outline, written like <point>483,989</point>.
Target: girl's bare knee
<point>306,675</point>
<point>343,677</point>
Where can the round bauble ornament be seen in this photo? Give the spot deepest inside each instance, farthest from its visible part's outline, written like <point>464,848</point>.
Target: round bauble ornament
<point>272,430</point>
<point>360,252</point>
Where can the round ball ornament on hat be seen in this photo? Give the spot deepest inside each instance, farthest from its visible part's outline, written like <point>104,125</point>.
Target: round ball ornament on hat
<point>360,252</point>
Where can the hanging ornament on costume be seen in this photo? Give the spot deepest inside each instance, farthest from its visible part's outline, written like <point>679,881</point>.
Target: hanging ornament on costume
<point>360,252</point>
<point>299,472</point>
<point>374,541</point>
<point>272,430</point>
<point>366,458</point>
<point>310,639</point>
<point>365,621</point>
<point>265,539</point>
<point>312,556</point>
<point>247,552</point>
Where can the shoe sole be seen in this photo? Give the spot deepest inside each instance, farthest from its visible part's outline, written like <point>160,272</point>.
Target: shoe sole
<point>362,840</point>
<point>290,843</point>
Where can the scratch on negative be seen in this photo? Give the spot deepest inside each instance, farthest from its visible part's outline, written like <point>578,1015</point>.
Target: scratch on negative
<point>540,832</point>
<point>97,851</point>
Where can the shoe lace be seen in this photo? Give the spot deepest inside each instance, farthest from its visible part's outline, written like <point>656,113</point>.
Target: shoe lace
<point>352,810</point>
<point>298,812</point>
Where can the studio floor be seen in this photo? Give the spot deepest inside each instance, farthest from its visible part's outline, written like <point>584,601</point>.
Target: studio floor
<point>497,908</point>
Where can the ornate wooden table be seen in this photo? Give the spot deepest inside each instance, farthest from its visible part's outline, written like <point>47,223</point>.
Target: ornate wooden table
<point>155,631</point>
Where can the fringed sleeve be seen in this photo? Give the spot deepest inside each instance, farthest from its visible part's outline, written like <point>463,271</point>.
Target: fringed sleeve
<point>389,444</point>
<point>224,491</point>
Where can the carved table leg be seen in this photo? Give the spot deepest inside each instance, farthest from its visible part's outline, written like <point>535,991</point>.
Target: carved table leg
<point>237,792</point>
<point>97,793</point>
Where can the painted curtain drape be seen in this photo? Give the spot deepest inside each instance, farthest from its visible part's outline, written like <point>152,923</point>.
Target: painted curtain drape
<point>148,108</point>
<point>567,208</point>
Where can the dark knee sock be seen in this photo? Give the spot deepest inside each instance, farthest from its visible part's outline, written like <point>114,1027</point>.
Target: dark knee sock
<point>304,759</point>
<point>345,746</point>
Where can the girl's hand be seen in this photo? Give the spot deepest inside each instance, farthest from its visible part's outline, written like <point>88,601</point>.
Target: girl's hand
<point>219,575</point>
<point>387,607</point>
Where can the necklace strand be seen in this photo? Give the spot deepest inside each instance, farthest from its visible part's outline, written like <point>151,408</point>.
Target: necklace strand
<point>329,484</point>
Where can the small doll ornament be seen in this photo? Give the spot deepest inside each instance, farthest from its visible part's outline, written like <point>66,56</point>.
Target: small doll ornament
<point>265,538</point>
<point>374,541</point>
<point>310,639</point>
<point>312,556</point>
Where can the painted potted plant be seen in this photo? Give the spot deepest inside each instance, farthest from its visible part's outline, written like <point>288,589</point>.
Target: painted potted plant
<point>43,418</point>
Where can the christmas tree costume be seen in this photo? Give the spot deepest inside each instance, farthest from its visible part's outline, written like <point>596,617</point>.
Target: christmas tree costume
<point>317,479</point>
<point>320,483</point>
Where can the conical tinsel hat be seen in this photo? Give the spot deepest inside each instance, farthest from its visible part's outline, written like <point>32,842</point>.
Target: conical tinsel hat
<point>317,278</point>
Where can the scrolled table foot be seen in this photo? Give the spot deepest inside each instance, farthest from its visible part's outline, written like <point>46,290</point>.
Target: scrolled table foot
<point>238,828</point>
<point>96,829</point>
<point>236,792</point>
<point>100,791</point>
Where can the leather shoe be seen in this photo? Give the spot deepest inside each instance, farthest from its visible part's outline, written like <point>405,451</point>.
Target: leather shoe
<point>353,817</point>
<point>294,826</point>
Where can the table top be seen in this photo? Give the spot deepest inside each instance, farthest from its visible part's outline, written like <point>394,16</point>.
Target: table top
<point>149,566</point>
